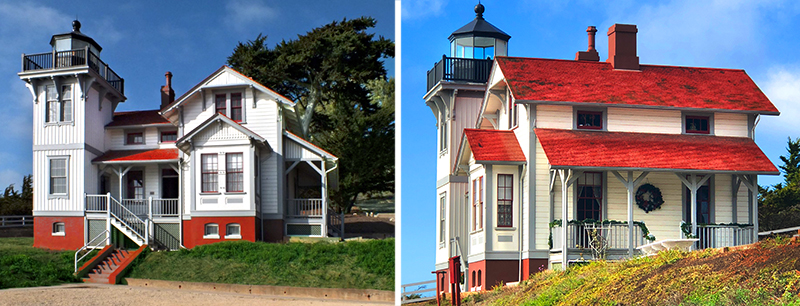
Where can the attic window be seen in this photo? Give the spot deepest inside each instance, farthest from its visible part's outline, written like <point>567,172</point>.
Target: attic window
<point>697,125</point>
<point>590,120</point>
<point>134,138</point>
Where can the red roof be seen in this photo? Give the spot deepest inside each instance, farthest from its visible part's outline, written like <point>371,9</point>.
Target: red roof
<point>494,145</point>
<point>137,155</point>
<point>590,149</point>
<point>137,118</point>
<point>536,79</point>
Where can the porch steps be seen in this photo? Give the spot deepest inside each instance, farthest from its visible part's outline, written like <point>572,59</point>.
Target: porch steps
<point>126,231</point>
<point>102,273</point>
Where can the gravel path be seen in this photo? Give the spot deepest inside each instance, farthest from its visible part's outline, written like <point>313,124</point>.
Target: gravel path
<point>95,294</point>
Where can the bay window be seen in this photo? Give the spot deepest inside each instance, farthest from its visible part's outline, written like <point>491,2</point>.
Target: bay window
<point>209,175</point>
<point>234,170</point>
<point>505,200</point>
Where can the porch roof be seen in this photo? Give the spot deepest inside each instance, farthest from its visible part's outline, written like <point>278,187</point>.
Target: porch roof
<point>588,150</point>
<point>137,156</point>
<point>490,146</point>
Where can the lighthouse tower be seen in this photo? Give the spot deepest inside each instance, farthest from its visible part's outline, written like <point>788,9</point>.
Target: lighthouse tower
<point>74,94</point>
<point>455,90</point>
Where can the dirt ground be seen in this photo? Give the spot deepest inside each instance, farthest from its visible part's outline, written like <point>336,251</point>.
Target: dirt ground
<point>368,227</point>
<point>96,294</point>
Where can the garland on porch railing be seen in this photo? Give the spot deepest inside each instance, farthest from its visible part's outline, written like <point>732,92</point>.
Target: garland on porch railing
<point>648,198</point>
<point>645,232</point>
<point>686,228</point>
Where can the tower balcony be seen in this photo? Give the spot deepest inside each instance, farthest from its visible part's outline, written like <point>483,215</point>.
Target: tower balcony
<point>70,59</point>
<point>458,69</point>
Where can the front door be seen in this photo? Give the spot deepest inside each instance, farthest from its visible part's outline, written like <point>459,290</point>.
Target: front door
<point>589,205</point>
<point>169,184</point>
<point>135,185</point>
<point>703,211</point>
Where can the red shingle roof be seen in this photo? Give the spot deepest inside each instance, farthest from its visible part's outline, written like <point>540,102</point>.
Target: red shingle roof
<point>494,145</point>
<point>536,79</point>
<point>653,151</point>
<point>137,118</point>
<point>137,155</point>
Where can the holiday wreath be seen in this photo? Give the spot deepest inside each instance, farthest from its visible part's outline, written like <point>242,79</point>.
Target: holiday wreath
<point>648,197</point>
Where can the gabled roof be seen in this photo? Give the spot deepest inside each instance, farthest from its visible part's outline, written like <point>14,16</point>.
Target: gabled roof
<point>567,81</point>
<point>180,143</point>
<point>138,118</point>
<point>491,147</point>
<point>246,81</point>
<point>310,146</point>
<point>599,150</point>
<point>133,156</point>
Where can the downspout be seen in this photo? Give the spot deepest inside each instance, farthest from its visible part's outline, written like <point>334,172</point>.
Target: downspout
<point>521,181</point>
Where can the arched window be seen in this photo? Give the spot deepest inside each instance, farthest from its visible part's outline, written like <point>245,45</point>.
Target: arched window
<point>211,231</point>
<point>58,229</point>
<point>233,231</point>
<point>479,278</point>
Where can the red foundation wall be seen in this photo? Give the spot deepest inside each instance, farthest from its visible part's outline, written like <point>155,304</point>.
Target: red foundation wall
<point>194,229</point>
<point>494,272</point>
<point>73,233</point>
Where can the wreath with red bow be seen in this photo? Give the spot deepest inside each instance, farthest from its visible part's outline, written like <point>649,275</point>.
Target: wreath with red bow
<point>648,198</point>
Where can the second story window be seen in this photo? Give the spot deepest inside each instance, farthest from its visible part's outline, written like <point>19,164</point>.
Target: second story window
<point>134,138</point>
<point>230,104</point>
<point>169,136</point>
<point>443,136</point>
<point>442,211</point>
<point>209,175</point>
<point>58,108</point>
<point>234,170</point>
<point>589,120</point>
<point>698,125</point>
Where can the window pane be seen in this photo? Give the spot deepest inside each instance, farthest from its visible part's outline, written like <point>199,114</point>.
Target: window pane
<point>211,229</point>
<point>232,230</point>
<point>234,171</point>
<point>169,136</point>
<point>220,103</point>
<point>209,173</point>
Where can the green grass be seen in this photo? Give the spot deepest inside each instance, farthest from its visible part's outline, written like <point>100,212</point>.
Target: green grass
<point>354,264</point>
<point>22,265</point>
<point>768,274</point>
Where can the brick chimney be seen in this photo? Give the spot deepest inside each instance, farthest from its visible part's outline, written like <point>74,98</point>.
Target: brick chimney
<point>590,54</point>
<point>167,94</point>
<point>622,47</point>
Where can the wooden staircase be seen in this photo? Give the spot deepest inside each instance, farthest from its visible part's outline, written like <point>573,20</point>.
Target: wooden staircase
<point>107,267</point>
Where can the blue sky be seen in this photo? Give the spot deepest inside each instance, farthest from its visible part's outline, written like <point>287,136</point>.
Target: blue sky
<point>757,36</point>
<point>142,40</point>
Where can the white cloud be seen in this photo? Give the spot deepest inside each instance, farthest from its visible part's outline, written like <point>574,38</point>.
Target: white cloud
<point>417,9</point>
<point>782,87</point>
<point>243,14</point>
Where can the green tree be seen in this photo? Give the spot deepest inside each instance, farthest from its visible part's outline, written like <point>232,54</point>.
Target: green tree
<point>15,203</point>
<point>344,103</point>
<point>779,205</point>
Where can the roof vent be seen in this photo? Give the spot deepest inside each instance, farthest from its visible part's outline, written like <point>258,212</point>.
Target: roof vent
<point>591,53</point>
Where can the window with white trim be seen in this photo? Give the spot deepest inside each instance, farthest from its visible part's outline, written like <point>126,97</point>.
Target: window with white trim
<point>477,204</point>
<point>211,231</point>
<point>443,135</point>
<point>442,204</point>
<point>233,231</point>
<point>208,173</point>
<point>234,172</point>
<point>58,229</point>
<point>230,104</point>
<point>169,136</point>
<point>505,200</point>
<point>134,138</point>
<point>58,108</point>
<point>58,176</point>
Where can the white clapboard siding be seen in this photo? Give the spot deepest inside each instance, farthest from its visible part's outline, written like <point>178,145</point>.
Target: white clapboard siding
<point>194,114</point>
<point>96,120</point>
<point>459,215</point>
<point>116,139</point>
<point>730,124</point>
<point>41,183</point>
<point>554,116</point>
<point>269,184</point>
<point>663,223</point>
<point>644,120</point>
<point>542,199</point>
<point>723,199</point>
<point>742,205</point>
<point>64,133</point>
<point>219,132</point>
<point>295,151</point>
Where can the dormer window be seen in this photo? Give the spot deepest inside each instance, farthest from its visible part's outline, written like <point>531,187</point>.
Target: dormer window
<point>230,104</point>
<point>169,136</point>
<point>134,138</point>
<point>698,125</point>
<point>589,120</point>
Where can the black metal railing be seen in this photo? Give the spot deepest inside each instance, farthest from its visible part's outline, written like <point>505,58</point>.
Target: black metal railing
<point>459,69</point>
<point>73,58</point>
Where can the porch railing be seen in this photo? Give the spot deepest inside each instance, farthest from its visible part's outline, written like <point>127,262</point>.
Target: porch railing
<point>73,58</point>
<point>459,69</point>
<point>336,222</point>
<point>305,207</point>
<point>96,202</point>
<point>139,207</point>
<point>165,207</point>
<point>615,235</point>
<point>719,236</point>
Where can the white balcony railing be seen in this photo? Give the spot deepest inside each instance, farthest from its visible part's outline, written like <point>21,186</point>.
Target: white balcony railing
<point>615,235</point>
<point>139,207</point>
<point>304,207</point>
<point>719,236</point>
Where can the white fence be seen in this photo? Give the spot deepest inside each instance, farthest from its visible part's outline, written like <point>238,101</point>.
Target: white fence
<point>719,236</point>
<point>305,207</point>
<point>15,221</point>
<point>407,295</point>
<point>615,235</point>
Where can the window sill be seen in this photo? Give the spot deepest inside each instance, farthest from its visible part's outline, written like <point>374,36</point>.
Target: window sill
<point>233,237</point>
<point>477,231</point>
<point>211,237</point>
<point>442,152</point>
<point>504,228</point>
<point>441,245</point>
<point>59,234</point>
<point>57,196</point>
<point>235,192</point>
<point>59,123</point>
<point>210,193</point>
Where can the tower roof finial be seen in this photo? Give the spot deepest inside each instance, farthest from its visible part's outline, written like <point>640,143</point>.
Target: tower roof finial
<point>479,9</point>
<point>76,25</point>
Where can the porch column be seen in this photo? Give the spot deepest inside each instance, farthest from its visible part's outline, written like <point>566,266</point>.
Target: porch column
<point>629,184</point>
<point>693,184</point>
<point>568,176</point>
<point>324,181</point>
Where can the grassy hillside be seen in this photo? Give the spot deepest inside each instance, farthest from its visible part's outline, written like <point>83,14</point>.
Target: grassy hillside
<point>766,274</point>
<point>22,265</point>
<point>355,264</point>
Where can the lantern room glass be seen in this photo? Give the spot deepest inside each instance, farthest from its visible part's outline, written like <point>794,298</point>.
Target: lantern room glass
<point>478,47</point>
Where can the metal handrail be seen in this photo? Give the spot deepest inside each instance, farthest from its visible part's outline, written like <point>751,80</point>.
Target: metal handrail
<point>404,296</point>
<point>85,247</point>
<point>128,215</point>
